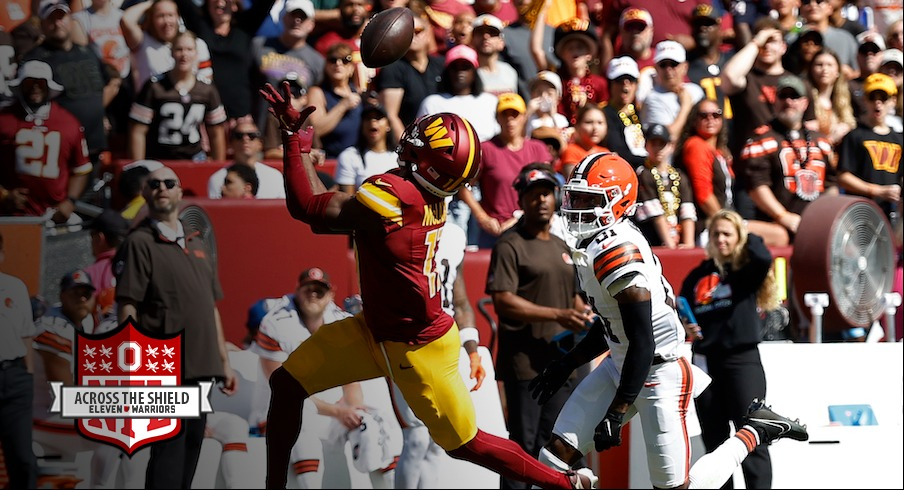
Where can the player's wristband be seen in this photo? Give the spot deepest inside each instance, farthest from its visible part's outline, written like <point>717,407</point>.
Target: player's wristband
<point>469,333</point>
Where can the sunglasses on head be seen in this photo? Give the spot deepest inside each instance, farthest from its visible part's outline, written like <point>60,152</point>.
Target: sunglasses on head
<point>169,183</point>
<point>240,135</point>
<point>344,59</point>
<point>710,115</point>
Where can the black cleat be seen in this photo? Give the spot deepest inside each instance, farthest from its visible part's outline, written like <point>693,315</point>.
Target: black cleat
<point>771,426</point>
<point>582,478</point>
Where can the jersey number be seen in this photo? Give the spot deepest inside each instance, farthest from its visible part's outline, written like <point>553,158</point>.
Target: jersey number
<point>433,279</point>
<point>38,153</point>
<point>176,124</point>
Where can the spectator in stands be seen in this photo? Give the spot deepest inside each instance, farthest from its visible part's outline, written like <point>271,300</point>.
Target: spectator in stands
<point>168,113</point>
<point>35,183</point>
<point>673,21</point>
<point>800,53</point>
<point>289,52</point>
<point>338,102</point>
<point>869,157</point>
<point>353,15</point>
<point>589,136</point>
<point>666,213</point>
<point>461,32</point>
<point>838,19</point>
<point>576,46</point>
<point>705,62</point>
<point>782,189</point>
<point>150,28</point>
<point>635,32</point>
<point>85,83</point>
<point>108,230</point>
<point>131,182</point>
<point>869,55</point>
<point>405,83</point>
<point>817,14</point>
<point>240,182</point>
<point>625,135</point>
<point>518,47</point>
<point>894,37</point>
<point>702,152</point>
<point>298,95</point>
<point>536,296</point>
<point>451,22</point>
<point>373,153</point>
<point>543,106</point>
<point>831,96</point>
<point>228,28</point>
<point>247,150</point>
<point>488,41</point>
<point>787,13</point>
<point>892,64</point>
<point>672,97</point>
<point>503,158</point>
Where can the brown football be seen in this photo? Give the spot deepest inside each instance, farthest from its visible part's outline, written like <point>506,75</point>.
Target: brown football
<point>387,37</point>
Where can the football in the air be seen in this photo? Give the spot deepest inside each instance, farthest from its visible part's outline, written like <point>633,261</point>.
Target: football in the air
<point>387,37</point>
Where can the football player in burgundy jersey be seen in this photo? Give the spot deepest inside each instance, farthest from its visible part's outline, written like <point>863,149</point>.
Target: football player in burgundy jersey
<point>43,149</point>
<point>403,333</point>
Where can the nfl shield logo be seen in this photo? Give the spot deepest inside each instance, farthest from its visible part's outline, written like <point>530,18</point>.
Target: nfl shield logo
<point>128,356</point>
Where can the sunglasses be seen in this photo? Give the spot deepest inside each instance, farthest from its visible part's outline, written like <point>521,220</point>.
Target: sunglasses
<point>667,64</point>
<point>789,96</point>
<point>710,115</point>
<point>169,183</point>
<point>808,2</point>
<point>878,95</point>
<point>343,59</point>
<point>239,135</point>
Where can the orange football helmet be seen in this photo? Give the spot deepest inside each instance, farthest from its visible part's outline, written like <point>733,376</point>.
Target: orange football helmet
<point>601,192</point>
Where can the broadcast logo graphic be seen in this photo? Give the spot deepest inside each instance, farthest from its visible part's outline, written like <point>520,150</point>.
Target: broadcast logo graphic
<point>129,391</point>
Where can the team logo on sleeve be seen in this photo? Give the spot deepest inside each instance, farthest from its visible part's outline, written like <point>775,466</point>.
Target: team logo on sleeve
<point>128,391</point>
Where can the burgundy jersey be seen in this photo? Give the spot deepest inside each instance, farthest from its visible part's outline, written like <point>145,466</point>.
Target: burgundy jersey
<point>400,287</point>
<point>40,155</point>
<point>175,119</point>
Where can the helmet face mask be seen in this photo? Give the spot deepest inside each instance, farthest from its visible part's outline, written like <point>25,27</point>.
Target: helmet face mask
<point>601,193</point>
<point>443,152</point>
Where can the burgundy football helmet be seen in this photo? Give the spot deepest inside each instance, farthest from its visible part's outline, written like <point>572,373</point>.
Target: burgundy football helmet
<point>443,152</point>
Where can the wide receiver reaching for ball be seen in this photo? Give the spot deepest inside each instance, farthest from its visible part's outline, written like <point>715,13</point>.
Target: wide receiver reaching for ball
<point>403,333</point>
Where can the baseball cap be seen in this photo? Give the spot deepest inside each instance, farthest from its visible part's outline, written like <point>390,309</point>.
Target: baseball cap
<point>549,77</point>
<point>511,101</point>
<point>373,108</point>
<point>461,52</point>
<point>314,274</point>
<point>808,33</point>
<point>635,15</point>
<point>37,70</point>
<point>870,39</point>
<point>47,7</point>
<point>532,175</point>
<point>622,66</point>
<point>576,28</point>
<point>705,12</point>
<point>892,56</point>
<point>305,6</point>
<point>76,279</point>
<point>549,135</point>
<point>151,165</point>
<point>110,223</point>
<point>488,20</point>
<point>670,50</point>
<point>298,82</point>
<point>793,83</point>
<point>657,132</point>
<point>880,81</point>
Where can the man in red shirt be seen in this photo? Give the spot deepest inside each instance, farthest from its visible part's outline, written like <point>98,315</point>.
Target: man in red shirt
<point>43,151</point>
<point>402,333</point>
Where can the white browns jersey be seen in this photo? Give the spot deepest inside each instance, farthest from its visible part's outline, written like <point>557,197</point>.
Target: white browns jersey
<point>616,259</point>
<point>449,254</point>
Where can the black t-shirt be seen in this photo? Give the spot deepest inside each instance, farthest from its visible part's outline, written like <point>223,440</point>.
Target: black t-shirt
<point>417,85</point>
<point>616,137</point>
<point>873,157</point>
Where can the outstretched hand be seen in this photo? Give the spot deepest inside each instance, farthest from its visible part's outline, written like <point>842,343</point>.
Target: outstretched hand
<point>290,119</point>
<point>544,386</point>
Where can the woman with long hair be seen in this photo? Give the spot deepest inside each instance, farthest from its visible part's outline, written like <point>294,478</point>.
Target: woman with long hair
<point>702,153</point>
<point>727,293</point>
<point>373,153</point>
<point>589,136</point>
<point>337,101</point>
<point>831,96</point>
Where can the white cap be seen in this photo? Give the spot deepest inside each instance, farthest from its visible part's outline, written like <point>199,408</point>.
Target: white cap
<point>549,77</point>
<point>151,165</point>
<point>892,55</point>
<point>670,50</point>
<point>488,20</point>
<point>622,66</point>
<point>304,5</point>
<point>38,70</point>
<point>871,37</point>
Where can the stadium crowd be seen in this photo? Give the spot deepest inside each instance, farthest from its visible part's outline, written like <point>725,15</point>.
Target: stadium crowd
<point>756,107</point>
